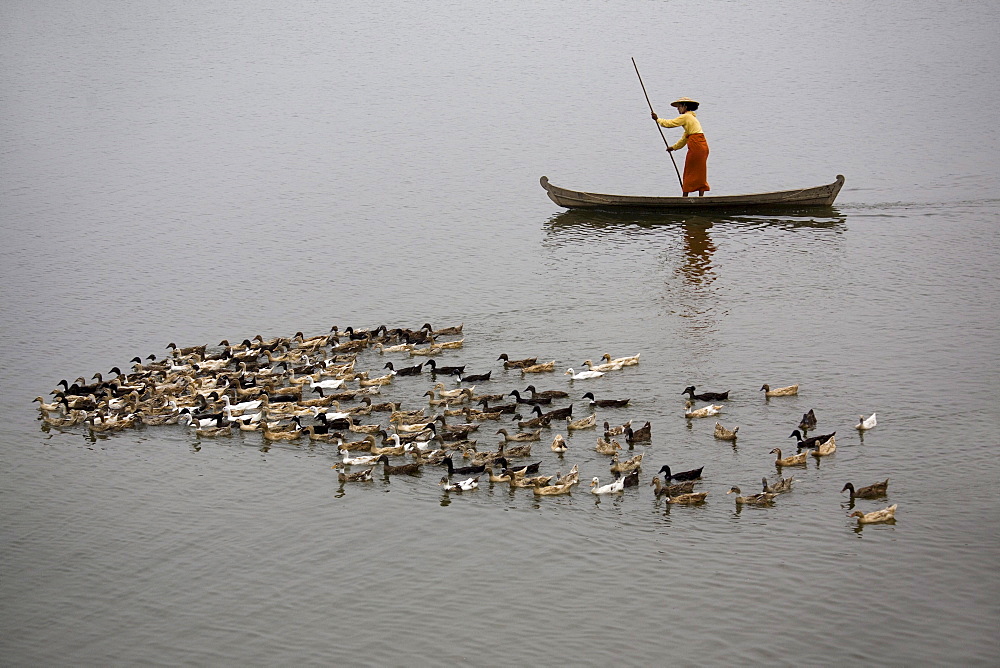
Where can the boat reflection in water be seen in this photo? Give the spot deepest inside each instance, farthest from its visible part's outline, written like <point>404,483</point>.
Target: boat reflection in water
<point>684,246</point>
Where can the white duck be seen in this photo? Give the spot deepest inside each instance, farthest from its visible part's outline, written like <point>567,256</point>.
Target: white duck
<point>329,384</point>
<point>705,411</point>
<point>466,485</point>
<point>583,375</point>
<point>192,421</point>
<point>613,488</point>
<point>357,461</point>
<point>241,407</point>
<point>866,423</point>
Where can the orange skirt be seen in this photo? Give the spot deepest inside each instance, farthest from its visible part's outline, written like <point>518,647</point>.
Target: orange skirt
<point>696,164</point>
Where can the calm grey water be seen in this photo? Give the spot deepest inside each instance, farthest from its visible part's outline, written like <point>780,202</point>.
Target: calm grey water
<point>193,171</point>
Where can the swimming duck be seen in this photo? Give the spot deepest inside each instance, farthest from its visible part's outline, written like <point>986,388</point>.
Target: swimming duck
<point>405,417</point>
<point>376,382</point>
<point>520,469</point>
<point>399,348</point>
<point>703,412</point>
<point>762,499</point>
<point>479,458</point>
<point>460,430</point>
<point>531,423</point>
<point>571,478</point>
<point>794,460</point>
<point>402,469</point>
<point>462,470</point>
<point>192,421</point>
<point>705,396</point>
<point>549,394</point>
<point>310,431</point>
<point>524,481</point>
<point>363,445</point>
<point>398,449</point>
<point>475,377</point>
<point>449,345</point>
<point>363,460</point>
<point>884,515</point>
<point>406,370</point>
<point>534,401</point>
<point>627,466</point>
<point>873,491</point>
<point>609,366</point>
<point>611,488</point>
<point>473,414</point>
<point>504,477</point>
<point>329,384</point>
<point>783,485</point>
<point>671,490</point>
<point>808,421</point>
<point>631,478</point>
<point>605,447</point>
<point>191,350</point>
<point>610,431</point>
<point>691,499</point>
<point>551,490</point>
<point>54,407</point>
<point>827,447</point>
<point>444,370</point>
<point>280,435</point>
<point>693,474</point>
<point>643,434</point>
<point>218,430</point>
<point>119,423</point>
<point>539,368</point>
<point>789,391</point>
<point>362,428</point>
<point>624,361</point>
<point>559,444</point>
<point>416,427</point>
<point>241,407</point>
<point>588,422</point>
<point>451,394</point>
<point>360,476</point>
<point>521,436</point>
<point>432,349</point>
<point>515,451</point>
<point>724,434</point>
<point>583,375</point>
<point>502,408</point>
<point>151,420</point>
<point>606,403</point>
<point>866,423</point>
<point>517,364</point>
<point>444,331</point>
<point>466,485</point>
<point>812,441</point>
<point>555,414</point>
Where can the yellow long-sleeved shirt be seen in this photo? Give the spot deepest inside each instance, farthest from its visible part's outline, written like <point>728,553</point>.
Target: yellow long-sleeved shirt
<point>688,121</point>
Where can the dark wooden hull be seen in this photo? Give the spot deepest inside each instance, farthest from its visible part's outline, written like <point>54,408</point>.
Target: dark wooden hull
<point>803,197</point>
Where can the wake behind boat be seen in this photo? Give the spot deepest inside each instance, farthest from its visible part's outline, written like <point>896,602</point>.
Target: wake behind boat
<point>790,199</point>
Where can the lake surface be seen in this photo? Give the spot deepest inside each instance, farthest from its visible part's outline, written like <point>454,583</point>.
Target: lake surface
<point>190,172</point>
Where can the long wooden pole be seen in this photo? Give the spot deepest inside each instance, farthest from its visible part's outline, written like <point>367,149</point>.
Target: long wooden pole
<point>658,126</point>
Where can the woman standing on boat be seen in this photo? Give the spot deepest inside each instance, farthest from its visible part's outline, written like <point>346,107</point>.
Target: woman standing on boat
<point>696,161</point>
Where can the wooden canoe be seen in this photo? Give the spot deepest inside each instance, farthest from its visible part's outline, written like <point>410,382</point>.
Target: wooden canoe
<point>787,199</point>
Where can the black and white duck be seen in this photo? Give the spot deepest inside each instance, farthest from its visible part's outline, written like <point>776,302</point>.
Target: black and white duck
<point>705,396</point>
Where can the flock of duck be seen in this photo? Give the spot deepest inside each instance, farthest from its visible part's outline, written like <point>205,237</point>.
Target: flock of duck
<point>298,387</point>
